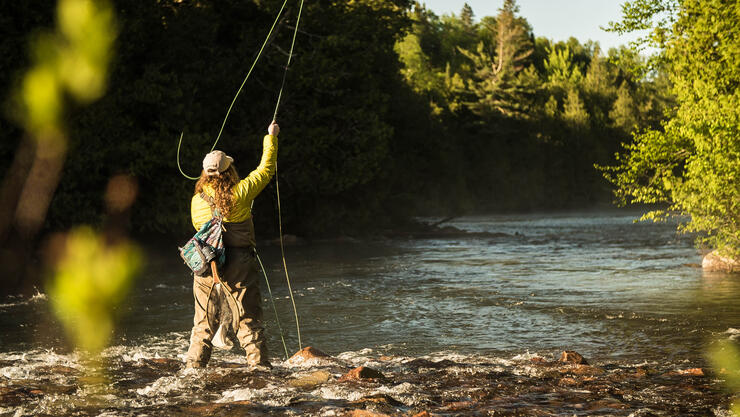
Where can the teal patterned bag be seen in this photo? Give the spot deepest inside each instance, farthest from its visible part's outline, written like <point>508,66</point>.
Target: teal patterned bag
<point>206,245</point>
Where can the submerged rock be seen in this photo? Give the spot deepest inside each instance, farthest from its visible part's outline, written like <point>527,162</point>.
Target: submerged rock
<point>309,352</point>
<point>310,356</point>
<point>586,370</point>
<point>379,399</point>
<point>362,372</point>
<point>573,357</point>
<point>164,364</point>
<point>714,262</point>
<point>687,372</point>
<point>311,380</point>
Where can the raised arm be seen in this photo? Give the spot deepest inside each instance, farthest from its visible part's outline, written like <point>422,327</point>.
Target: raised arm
<point>258,179</point>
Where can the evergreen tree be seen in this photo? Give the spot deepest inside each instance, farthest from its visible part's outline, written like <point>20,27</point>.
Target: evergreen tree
<point>598,79</point>
<point>495,87</point>
<point>560,68</point>
<point>466,18</point>
<point>551,107</point>
<point>623,112</point>
<point>574,111</point>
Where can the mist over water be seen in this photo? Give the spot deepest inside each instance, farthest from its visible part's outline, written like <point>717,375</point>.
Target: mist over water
<point>614,290</point>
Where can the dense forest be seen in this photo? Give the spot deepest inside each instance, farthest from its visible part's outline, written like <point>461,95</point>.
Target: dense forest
<point>389,111</point>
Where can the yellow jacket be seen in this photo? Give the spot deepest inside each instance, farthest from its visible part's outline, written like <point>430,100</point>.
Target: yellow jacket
<point>244,191</point>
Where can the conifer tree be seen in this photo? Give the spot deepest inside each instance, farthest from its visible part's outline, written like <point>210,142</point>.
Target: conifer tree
<point>494,86</point>
<point>623,112</point>
<point>574,111</point>
<point>466,17</point>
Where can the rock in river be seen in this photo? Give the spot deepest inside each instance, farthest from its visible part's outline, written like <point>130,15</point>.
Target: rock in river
<point>362,372</point>
<point>715,262</point>
<point>309,356</point>
<point>573,357</point>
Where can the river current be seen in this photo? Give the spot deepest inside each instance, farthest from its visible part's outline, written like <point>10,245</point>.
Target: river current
<point>617,291</point>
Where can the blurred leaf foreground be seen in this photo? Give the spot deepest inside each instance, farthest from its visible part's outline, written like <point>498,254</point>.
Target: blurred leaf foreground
<point>89,271</point>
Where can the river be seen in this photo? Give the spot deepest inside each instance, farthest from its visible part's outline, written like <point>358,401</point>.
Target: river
<point>620,293</point>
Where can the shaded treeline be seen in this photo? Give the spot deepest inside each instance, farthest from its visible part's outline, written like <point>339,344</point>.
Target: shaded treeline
<point>389,111</point>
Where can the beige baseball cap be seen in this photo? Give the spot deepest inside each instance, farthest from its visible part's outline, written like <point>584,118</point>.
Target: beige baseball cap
<point>216,162</point>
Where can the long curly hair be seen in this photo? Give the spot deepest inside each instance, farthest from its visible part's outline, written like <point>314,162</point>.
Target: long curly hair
<point>222,185</point>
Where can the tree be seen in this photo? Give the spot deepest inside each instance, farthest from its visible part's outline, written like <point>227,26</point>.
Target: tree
<point>691,164</point>
<point>560,68</point>
<point>466,17</point>
<point>623,112</point>
<point>574,112</point>
<point>495,86</point>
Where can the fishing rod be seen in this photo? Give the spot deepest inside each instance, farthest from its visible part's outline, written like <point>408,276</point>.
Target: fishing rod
<point>249,73</point>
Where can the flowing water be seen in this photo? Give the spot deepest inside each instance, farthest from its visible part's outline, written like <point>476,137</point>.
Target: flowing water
<point>623,294</point>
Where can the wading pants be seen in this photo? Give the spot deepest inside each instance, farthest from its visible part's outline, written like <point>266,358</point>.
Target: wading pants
<point>240,279</point>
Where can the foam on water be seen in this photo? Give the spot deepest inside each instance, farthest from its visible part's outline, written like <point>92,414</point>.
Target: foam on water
<point>189,380</point>
<point>339,393</point>
<point>271,395</point>
<point>38,297</point>
<point>25,365</point>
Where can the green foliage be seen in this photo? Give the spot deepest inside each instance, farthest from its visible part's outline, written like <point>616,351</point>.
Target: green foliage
<point>725,357</point>
<point>574,112</point>
<point>91,272</point>
<point>495,85</point>
<point>692,162</point>
<point>389,111</point>
<point>90,281</point>
<point>623,112</point>
<point>560,69</point>
<point>72,60</point>
<point>535,115</point>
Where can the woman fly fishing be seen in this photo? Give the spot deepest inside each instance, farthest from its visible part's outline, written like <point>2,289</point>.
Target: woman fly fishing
<point>219,191</point>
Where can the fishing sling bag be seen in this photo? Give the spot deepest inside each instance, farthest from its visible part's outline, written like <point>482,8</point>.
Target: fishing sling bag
<point>207,243</point>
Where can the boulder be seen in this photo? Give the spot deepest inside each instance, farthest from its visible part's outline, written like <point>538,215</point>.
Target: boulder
<point>311,380</point>
<point>571,356</point>
<point>714,262</point>
<point>309,352</point>
<point>693,372</point>
<point>361,372</point>
<point>310,356</point>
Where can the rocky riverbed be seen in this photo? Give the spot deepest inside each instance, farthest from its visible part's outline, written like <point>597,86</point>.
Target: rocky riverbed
<point>362,383</point>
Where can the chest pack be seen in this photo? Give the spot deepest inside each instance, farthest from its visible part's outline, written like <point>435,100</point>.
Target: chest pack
<point>206,248</point>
